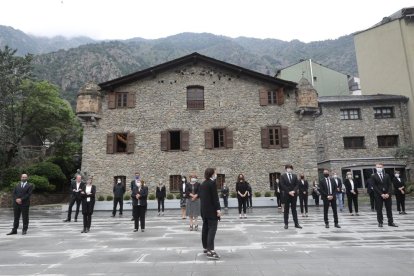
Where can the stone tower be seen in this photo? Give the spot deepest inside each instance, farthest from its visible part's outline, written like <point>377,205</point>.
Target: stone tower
<point>89,103</point>
<point>306,98</point>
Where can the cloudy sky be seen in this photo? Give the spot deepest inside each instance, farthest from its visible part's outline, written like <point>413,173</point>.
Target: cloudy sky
<point>120,19</point>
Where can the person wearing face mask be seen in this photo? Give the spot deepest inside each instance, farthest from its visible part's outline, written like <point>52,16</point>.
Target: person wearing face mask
<point>139,204</point>
<point>88,204</point>
<point>339,190</point>
<point>399,190</point>
<point>160,194</point>
<point>183,197</point>
<point>277,193</point>
<point>242,194</point>
<point>382,189</point>
<point>328,190</point>
<point>303,195</point>
<point>289,184</point>
<point>134,183</point>
<point>193,202</point>
<point>210,212</point>
<point>315,193</point>
<point>225,195</point>
<point>351,193</point>
<point>119,191</point>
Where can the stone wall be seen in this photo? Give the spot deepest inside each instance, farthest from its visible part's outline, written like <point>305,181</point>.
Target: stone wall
<point>231,101</point>
<point>6,199</point>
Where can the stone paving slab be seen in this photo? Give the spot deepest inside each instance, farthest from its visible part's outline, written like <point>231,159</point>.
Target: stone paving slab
<point>257,245</point>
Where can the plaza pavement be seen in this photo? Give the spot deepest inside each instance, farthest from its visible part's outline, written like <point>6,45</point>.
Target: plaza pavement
<point>257,245</point>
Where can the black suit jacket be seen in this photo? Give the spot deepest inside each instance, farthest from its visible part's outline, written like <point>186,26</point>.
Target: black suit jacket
<point>76,195</point>
<point>287,186</point>
<point>381,186</point>
<point>397,185</point>
<point>22,193</point>
<point>339,184</point>
<point>303,187</point>
<point>182,191</point>
<point>348,187</point>
<point>91,195</point>
<point>209,199</point>
<point>190,189</point>
<point>160,192</point>
<point>324,190</point>
<point>143,191</point>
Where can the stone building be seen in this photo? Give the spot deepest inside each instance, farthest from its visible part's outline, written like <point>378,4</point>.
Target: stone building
<point>191,113</point>
<point>355,132</point>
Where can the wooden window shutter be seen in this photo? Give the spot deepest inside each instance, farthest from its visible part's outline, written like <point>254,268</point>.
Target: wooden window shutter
<point>185,140</point>
<point>130,143</point>
<point>285,137</point>
<point>263,97</point>
<point>164,140</point>
<point>229,138</point>
<point>131,100</point>
<point>265,137</point>
<point>280,94</point>
<point>208,137</point>
<point>110,138</point>
<point>111,100</point>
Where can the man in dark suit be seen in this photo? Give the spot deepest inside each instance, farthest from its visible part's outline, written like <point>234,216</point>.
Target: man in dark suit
<point>21,203</point>
<point>370,191</point>
<point>289,184</point>
<point>399,190</point>
<point>328,191</point>
<point>339,191</point>
<point>382,190</point>
<point>210,212</point>
<point>351,193</point>
<point>76,187</point>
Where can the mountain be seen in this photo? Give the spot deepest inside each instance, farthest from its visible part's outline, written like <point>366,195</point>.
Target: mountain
<point>71,63</point>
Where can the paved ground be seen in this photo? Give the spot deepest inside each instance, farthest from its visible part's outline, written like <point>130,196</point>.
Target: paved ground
<point>257,245</point>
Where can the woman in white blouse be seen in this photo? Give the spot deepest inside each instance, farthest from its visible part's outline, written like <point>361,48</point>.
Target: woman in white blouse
<point>88,203</point>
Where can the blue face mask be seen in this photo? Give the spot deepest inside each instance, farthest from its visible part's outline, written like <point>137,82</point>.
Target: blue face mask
<point>137,177</point>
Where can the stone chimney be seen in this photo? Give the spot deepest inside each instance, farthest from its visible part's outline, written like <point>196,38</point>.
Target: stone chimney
<point>306,98</point>
<point>89,103</point>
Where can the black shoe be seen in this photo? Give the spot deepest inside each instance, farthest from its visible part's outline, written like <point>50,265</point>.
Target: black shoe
<point>87,230</point>
<point>298,226</point>
<point>84,230</point>
<point>286,226</point>
<point>120,214</point>
<point>337,225</point>
<point>13,232</point>
<point>76,220</point>
<point>205,251</point>
<point>24,232</point>
<point>142,230</point>
<point>392,224</point>
<point>112,215</point>
<point>135,230</point>
<point>380,224</point>
<point>356,214</point>
<point>66,220</point>
<point>132,219</point>
<point>212,255</point>
<point>326,225</point>
<point>404,213</point>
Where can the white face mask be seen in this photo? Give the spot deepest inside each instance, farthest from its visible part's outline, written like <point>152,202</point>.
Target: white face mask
<point>183,179</point>
<point>397,175</point>
<point>119,181</point>
<point>349,176</point>
<point>193,180</point>
<point>139,184</point>
<point>214,177</point>
<point>379,170</point>
<point>335,176</point>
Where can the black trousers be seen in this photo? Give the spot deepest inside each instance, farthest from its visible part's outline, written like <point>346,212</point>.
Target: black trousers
<point>290,201</point>
<point>78,202</point>
<point>242,204</point>
<point>352,199</point>
<point>326,204</point>
<point>372,200</point>
<point>278,201</point>
<point>87,211</point>
<point>117,200</point>
<point>87,220</point>
<point>379,203</point>
<point>21,210</point>
<point>208,233</point>
<point>303,201</point>
<point>316,198</point>
<point>139,216</point>
<point>160,204</point>
<point>249,201</point>
<point>226,201</point>
<point>400,202</point>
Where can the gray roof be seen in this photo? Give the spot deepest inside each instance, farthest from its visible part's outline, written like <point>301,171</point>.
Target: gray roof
<point>362,98</point>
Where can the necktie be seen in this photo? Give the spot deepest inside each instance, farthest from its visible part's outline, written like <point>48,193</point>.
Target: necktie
<point>329,185</point>
<point>380,175</point>
<point>22,185</point>
<point>290,177</point>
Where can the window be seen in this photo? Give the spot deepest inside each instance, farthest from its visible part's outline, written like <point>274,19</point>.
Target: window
<point>272,179</point>
<point>175,182</point>
<point>274,137</point>
<point>218,138</point>
<point>354,142</point>
<point>383,112</point>
<point>221,178</point>
<point>121,100</point>
<point>195,97</point>
<point>350,114</point>
<point>123,179</point>
<point>120,143</point>
<point>271,96</point>
<point>175,140</point>
<point>387,141</point>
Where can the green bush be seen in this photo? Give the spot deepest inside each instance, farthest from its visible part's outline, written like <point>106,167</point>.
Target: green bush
<point>409,187</point>
<point>233,194</point>
<point>268,194</point>
<point>109,198</point>
<point>49,170</point>
<point>170,196</point>
<point>101,198</point>
<point>67,165</point>
<point>257,194</point>
<point>178,196</point>
<point>40,183</point>
<point>127,197</point>
<point>151,197</point>
<point>10,177</point>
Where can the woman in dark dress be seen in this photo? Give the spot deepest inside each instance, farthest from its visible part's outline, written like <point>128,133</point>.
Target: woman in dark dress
<point>88,203</point>
<point>242,194</point>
